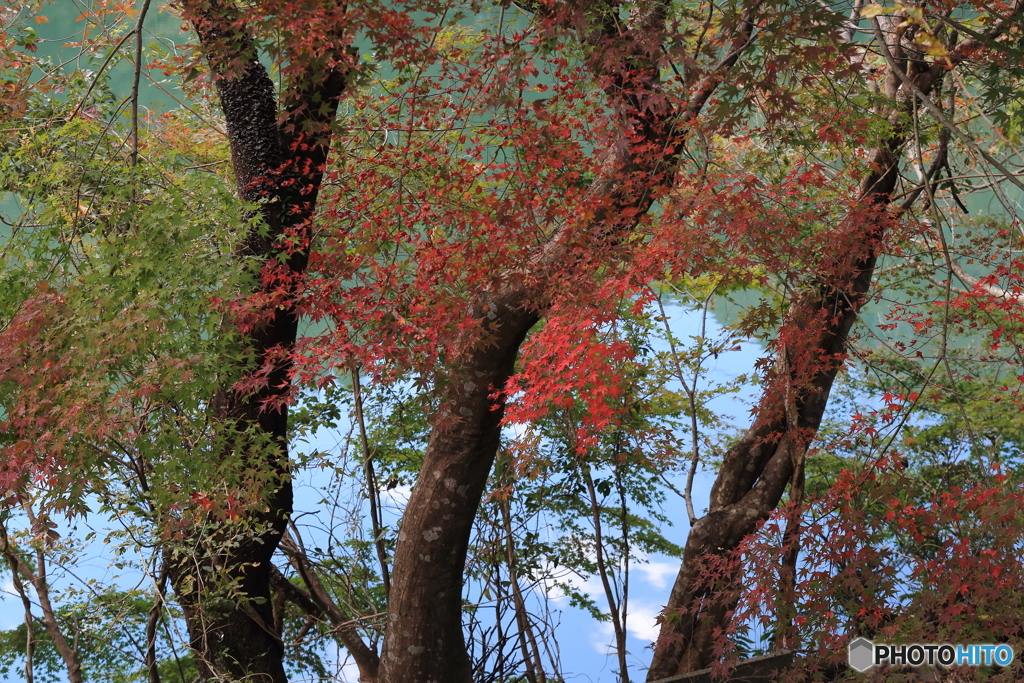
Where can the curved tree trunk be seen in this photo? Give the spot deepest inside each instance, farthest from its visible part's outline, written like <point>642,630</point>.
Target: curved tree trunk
<point>424,640</point>
<point>813,344</point>
<point>756,470</point>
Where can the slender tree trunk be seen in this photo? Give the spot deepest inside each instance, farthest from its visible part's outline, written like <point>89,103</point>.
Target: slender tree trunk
<point>614,604</point>
<point>531,654</point>
<point>812,348</point>
<point>317,603</point>
<point>37,577</point>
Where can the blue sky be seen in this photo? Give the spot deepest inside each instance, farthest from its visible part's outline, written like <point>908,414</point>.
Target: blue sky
<point>586,647</point>
<point>587,651</point>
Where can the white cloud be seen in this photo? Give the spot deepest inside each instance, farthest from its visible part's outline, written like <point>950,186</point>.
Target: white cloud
<point>554,593</point>
<point>399,495</point>
<point>640,622</point>
<point>602,639</point>
<point>516,430</point>
<point>591,586</point>
<point>657,574</point>
<point>349,672</point>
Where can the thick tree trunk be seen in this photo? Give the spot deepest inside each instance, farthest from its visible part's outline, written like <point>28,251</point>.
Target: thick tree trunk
<point>237,640</point>
<point>755,472</point>
<point>757,469</point>
<point>223,584</point>
<point>424,640</point>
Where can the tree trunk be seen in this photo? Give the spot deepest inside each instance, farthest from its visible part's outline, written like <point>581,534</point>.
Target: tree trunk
<point>224,587</point>
<point>756,471</point>
<point>424,640</point>
<point>812,348</point>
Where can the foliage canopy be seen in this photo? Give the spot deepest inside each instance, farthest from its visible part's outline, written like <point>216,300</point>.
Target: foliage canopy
<point>481,243</point>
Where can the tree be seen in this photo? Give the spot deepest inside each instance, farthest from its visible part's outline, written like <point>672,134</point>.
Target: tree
<point>507,184</point>
<point>771,455</point>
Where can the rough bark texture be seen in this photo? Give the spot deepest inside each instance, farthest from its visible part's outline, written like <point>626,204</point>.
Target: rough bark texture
<point>424,641</point>
<point>278,165</point>
<point>812,348</point>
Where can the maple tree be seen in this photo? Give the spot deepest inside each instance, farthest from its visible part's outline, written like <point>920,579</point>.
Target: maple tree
<point>481,209</point>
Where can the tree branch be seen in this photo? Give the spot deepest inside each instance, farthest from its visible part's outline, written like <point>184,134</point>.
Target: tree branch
<point>135,81</point>
<point>42,589</point>
<point>318,602</point>
<point>934,109</point>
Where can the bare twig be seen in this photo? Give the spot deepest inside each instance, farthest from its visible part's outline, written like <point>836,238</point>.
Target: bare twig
<point>135,81</point>
<point>371,486</point>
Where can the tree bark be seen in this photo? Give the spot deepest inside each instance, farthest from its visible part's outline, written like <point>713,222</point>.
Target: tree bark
<point>424,639</point>
<point>278,160</point>
<point>812,347</point>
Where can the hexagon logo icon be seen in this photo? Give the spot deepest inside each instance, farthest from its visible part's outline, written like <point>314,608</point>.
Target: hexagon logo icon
<point>861,654</point>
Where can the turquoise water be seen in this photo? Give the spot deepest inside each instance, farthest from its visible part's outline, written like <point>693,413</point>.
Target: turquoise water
<point>161,32</point>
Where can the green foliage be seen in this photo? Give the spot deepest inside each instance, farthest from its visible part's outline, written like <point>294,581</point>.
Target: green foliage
<point>119,286</point>
<point>97,248</point>
<point>108,626</point>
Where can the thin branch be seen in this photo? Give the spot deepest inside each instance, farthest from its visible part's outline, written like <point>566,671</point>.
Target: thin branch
<point>38,580</point>
<point>371,486</point>
<point>99,73</point>
<point>152,622</point>
<point>135,81</point>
